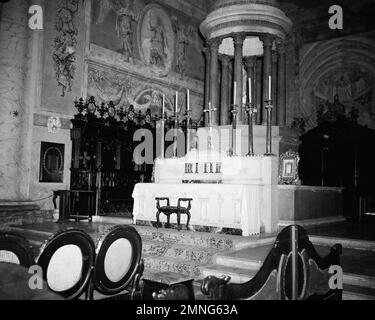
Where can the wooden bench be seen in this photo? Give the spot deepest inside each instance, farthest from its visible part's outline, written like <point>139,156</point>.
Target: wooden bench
<point>168,210</point>
<point>293,270</point>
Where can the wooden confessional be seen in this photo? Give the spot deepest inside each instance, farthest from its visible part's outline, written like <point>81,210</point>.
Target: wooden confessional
<point>103,170</point>
<point>340,154</point>
<point>102,166</point>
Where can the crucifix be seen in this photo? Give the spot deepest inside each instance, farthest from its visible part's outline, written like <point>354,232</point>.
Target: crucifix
<point>209,112</point>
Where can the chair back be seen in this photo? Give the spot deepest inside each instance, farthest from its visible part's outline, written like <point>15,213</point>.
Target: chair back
<point>15,249</point>
<point>67,259</point>
<point>118,260</point>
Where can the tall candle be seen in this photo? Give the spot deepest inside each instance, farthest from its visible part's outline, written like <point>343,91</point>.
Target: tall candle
<point>250,93</point>
<point>235,93</point>
<point>175,106</point>
<point>269,87</point>
<point>162,113</point>
<point>188,99</point>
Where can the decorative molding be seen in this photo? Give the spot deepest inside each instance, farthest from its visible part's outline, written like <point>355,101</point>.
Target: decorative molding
<point>249,18</point>
<point>41,120</point>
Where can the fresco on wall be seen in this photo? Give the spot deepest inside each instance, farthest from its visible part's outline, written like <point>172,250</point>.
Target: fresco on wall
<point>156,40</point>
<point>65,44</point>
<point>123,14</point>
<point>159,37</point>
<point>346,93</point>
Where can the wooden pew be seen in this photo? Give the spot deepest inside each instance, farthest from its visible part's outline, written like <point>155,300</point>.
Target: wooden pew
<point>293,270</point>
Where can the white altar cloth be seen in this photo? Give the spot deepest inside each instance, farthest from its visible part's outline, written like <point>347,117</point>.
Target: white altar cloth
<point>216,205</point>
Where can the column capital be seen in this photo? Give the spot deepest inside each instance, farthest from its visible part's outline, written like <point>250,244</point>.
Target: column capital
<point>214,44</point>
<point>280,46</point>
<point>274,56</point>
<point>267,39</point>
<point>225,59</point>
<point>249,62</point>
<point>238,39</point>
<point>206,51</point>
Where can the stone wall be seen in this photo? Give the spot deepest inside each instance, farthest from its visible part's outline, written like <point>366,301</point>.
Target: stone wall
<point>13,51</point>
<point>42,72</point>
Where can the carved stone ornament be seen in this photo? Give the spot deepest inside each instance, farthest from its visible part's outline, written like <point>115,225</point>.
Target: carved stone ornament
<point>53,125</point>
<point>65,44</point>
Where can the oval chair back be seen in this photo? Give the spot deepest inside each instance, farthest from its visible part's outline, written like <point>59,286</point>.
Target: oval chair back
<point>118,265</point>
<point>67,259</point>
<point>15,249</point>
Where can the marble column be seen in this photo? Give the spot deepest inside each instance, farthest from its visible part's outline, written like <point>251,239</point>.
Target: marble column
<point>214,83</point>
<point>207,55</point>
<point>14,34</point>
<point>258,88</point>
<point>238,75</point>
<point>274,88</point>
<point>225,93</point>
<point>267,71</point>
<point>250,65</point>
<point>281,85</point>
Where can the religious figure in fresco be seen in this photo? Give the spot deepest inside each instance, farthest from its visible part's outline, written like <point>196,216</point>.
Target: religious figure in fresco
<point>126,13</point>
<point>124,30</point>
<point>158,42</point>
<point>184,36</point>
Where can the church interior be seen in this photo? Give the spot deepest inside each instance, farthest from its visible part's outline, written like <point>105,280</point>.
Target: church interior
<point>187,149</point>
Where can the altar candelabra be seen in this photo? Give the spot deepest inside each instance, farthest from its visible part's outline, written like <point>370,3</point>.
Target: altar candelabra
<point>162,146</point>
<point>251,111</point>
<point>269,108</point>
<point>188,130</point>
<point>175,134</point>
<point>234,111</point>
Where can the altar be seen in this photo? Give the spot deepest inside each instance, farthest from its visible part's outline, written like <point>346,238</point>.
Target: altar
<point>227,192</point>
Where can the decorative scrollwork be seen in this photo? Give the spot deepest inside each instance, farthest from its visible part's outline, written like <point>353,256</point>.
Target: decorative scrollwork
<point>65,44</point>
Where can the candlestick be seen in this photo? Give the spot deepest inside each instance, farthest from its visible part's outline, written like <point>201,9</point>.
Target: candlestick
<point>175,106</point>
<point>188,99</point>
<point>162,113</point>
<point>250,93</point>
<point>235,93</point>
<point>269,88</point>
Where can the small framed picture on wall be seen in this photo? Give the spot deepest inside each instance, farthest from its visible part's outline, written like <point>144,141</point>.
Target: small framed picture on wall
<point>288,168</point>
<point>51,162</point>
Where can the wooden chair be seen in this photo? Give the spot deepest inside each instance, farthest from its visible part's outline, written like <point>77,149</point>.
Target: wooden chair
<point>67,261</point>
<point>118,264</point>
<point>293,270</point>
<point>15,249</point>
<point>168,210</point>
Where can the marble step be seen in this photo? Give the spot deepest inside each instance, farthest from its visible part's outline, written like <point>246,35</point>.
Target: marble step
<point>202,239</point>
<point>178,251</point>
<point>358,293</point>
<point>237,275</point>
<point>163,264</point>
